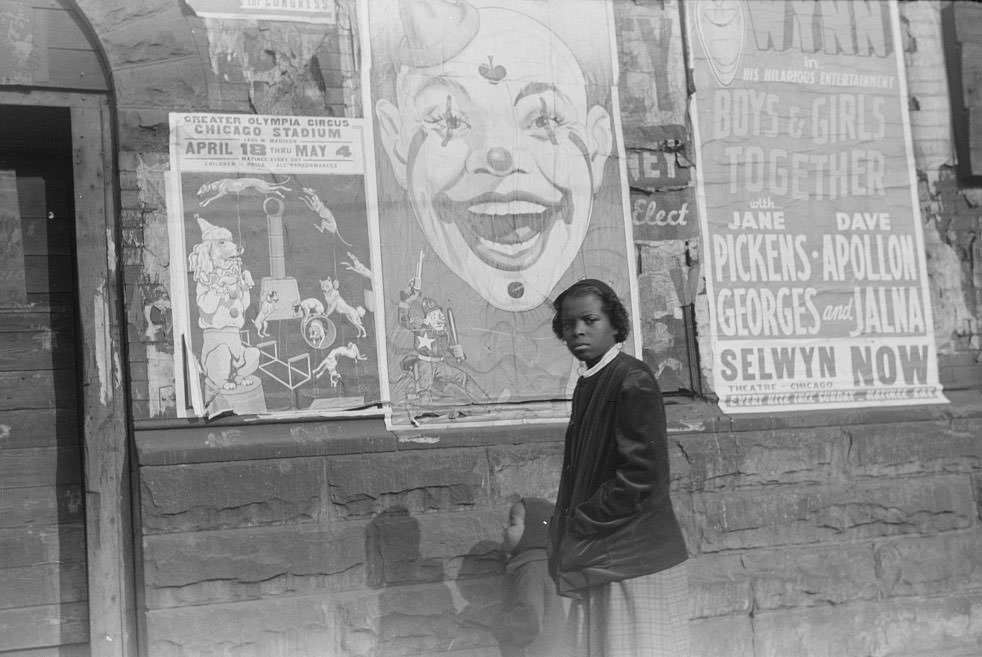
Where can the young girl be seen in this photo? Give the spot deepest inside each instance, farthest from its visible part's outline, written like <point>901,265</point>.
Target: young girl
<point>617,549</point>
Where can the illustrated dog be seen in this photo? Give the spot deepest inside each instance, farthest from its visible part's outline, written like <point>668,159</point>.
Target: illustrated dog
<point>334,303</point>
<point>330,362</point>
<point>219,188</point>
<point>266,308</point>
<point>308,307</point>
<point>222,295</point>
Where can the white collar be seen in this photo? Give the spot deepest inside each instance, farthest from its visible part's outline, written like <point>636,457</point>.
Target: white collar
<point>607,357</point>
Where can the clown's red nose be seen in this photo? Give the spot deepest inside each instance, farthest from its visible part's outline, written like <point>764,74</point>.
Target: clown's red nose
<point>499,159</point>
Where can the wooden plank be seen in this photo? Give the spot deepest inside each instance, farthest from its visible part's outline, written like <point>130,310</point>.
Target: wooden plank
<point>36,350</point>
<point>42,585</point>
<point>968,21</point>
<point>109,520</point>
<point>47,225</point>
<point>12,281</point>
<point>40,19</point>
<point>34,546</point>
<point>27,390</point>
<point>975,140</point>
<point>44,505</point>
<point>972,74</point>
<point>58,319</point>
<point>46,299</point>
<point>31,196</point>
<point>44,625</point>
<point>45,98</point>
<point>40,466</point>
<point>77,69</point>
<point>40,428</point>
<point>70,650</point>
<point>63,31</point>
<point>49,274</point>
<point>42,235</point>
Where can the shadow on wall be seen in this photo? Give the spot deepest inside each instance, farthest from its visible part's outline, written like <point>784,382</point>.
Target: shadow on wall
<point>420,611</point>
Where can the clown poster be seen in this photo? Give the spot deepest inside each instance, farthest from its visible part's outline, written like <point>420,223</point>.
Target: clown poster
<point>501,181</point>
<point>815,260</point>
<point>272,250</point>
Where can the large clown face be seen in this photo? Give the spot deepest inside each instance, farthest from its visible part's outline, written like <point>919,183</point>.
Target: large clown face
<point>501,157</point>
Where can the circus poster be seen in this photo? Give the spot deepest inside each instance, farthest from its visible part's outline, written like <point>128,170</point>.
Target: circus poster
<point>272,266</point>
<point>502,180</point>
<point>814,253</point>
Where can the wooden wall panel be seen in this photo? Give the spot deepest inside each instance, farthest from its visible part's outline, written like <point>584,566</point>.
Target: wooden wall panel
<point>38,319</point>
<point>49,275</point>
<point>46,584</point>
<point>63,33</point>
<point>40,545</point>
<point>43,625</point>
<point>965,77</point>
<point>42,349</point>
<point>78,69</point>
<point>60,54</point>
<point>24,507</point>
<point>39,466</point>
<point>40,427</point>
<point>26,390</point>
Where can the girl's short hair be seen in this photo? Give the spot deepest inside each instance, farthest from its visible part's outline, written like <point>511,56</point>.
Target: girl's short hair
<point>609,302</point>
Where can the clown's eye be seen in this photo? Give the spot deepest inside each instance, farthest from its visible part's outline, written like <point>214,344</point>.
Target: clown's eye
<point>545,121</point>
<point>449,122</point>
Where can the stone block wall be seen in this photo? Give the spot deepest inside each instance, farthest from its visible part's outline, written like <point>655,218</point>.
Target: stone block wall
<point>844,533</point>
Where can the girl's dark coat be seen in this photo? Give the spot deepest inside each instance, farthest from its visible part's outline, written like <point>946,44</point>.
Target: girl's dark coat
<point>614,517</point>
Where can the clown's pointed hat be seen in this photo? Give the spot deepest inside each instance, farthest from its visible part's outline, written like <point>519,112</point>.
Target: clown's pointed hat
<point>435,30</point>
<point>210,231</point>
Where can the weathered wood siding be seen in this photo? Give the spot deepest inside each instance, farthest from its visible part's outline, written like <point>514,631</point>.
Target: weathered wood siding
<point>43,589</point>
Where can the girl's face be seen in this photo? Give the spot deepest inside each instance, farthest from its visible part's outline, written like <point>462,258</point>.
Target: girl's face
<point>513,531</point>
<point>587,330</point>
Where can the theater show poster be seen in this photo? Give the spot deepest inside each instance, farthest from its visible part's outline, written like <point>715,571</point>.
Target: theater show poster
<point>501,181</point>
<point>815,265</point>
<point>272,266</point>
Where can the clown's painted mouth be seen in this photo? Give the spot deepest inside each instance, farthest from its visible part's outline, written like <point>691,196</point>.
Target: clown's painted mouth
<point>508,232</point>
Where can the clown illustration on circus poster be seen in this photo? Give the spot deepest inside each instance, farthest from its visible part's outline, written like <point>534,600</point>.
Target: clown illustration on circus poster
<point>500,183</point>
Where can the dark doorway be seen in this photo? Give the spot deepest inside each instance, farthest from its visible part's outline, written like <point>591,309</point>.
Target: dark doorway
<point>43,590</point>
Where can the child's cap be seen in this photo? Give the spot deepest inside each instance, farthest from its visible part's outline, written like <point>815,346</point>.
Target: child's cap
<point>538,513</point>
